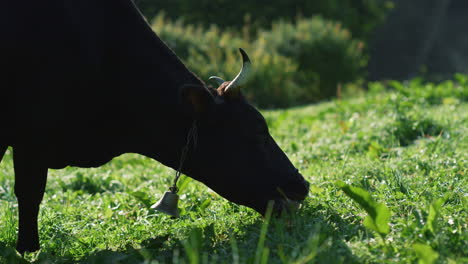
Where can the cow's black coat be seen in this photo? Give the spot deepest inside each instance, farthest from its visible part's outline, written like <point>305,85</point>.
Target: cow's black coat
<point>84,81</point>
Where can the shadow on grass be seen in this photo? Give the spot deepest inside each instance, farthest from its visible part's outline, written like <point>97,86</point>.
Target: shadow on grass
<point>317,235</point>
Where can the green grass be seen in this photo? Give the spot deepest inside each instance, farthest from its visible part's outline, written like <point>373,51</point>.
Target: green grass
<point>406,147</point>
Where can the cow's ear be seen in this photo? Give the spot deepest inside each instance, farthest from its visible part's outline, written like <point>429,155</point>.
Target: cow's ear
<point>196,100</point>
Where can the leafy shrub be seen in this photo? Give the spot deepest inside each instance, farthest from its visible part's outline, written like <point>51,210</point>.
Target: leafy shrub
<point>272,82</point>
<point>186,39</point>
<point>294,64</point>
<point>323,51</point>
<point>434,93</point>
<point>411,125</point>
<point>360,16</point>
<point>446,92</point>
<point>408,129</point>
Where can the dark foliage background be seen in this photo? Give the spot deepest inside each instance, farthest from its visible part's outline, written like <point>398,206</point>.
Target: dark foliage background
<point>359,16</point>
<point>305,51</point>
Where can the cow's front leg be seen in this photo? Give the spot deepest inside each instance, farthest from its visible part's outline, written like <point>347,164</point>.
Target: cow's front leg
<point>30,182</point>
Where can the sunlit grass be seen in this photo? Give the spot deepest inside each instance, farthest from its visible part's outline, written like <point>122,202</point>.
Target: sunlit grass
<point>408,150</point>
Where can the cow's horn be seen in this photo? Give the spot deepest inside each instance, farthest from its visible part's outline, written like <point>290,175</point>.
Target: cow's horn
<point>243,75</point>
<point>217,80</point>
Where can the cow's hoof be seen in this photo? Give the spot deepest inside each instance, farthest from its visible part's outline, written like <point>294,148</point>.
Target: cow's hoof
<point>25,247</point>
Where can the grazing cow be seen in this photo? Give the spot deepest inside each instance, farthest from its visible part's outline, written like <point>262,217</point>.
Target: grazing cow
<point>84,81</point>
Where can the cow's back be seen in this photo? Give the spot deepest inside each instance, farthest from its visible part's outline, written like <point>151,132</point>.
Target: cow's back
<point>52,90</point>
<point>85,74</point>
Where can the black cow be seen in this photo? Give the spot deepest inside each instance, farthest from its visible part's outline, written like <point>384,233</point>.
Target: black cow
<point>84,81</point>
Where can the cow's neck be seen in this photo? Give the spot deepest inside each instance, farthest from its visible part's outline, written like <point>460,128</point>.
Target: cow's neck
<point>157,77</point>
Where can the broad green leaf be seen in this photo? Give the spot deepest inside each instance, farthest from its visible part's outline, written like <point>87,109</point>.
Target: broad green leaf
<point>205,204</point>
<point>425,254</point>
<point>380,222</point>
<point>378,214</point>
<point>375,150</point>
<point>183,183</point>
<point>434,210</point>
<point>398,86</point>
<point>193,245</point>
<point>142,197</point>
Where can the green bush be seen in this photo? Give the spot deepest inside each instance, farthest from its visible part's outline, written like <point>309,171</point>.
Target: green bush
<point>324,51</point>
<point>360,16</point>
<point>272,82</point>
<point>430,93</point>
<point>293,64</point>
<point>212,52</point>
<point>189,39</point>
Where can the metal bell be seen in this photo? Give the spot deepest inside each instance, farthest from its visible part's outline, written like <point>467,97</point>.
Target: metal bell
<point>168,204</point>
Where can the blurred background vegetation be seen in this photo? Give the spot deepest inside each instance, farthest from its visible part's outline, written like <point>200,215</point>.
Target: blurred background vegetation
<point>306,51</point>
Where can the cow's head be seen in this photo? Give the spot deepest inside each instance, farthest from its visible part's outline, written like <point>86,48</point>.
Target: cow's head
<point>235,154</point>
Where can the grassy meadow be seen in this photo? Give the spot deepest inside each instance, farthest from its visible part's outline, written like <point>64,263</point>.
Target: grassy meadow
<point>388,185</point>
